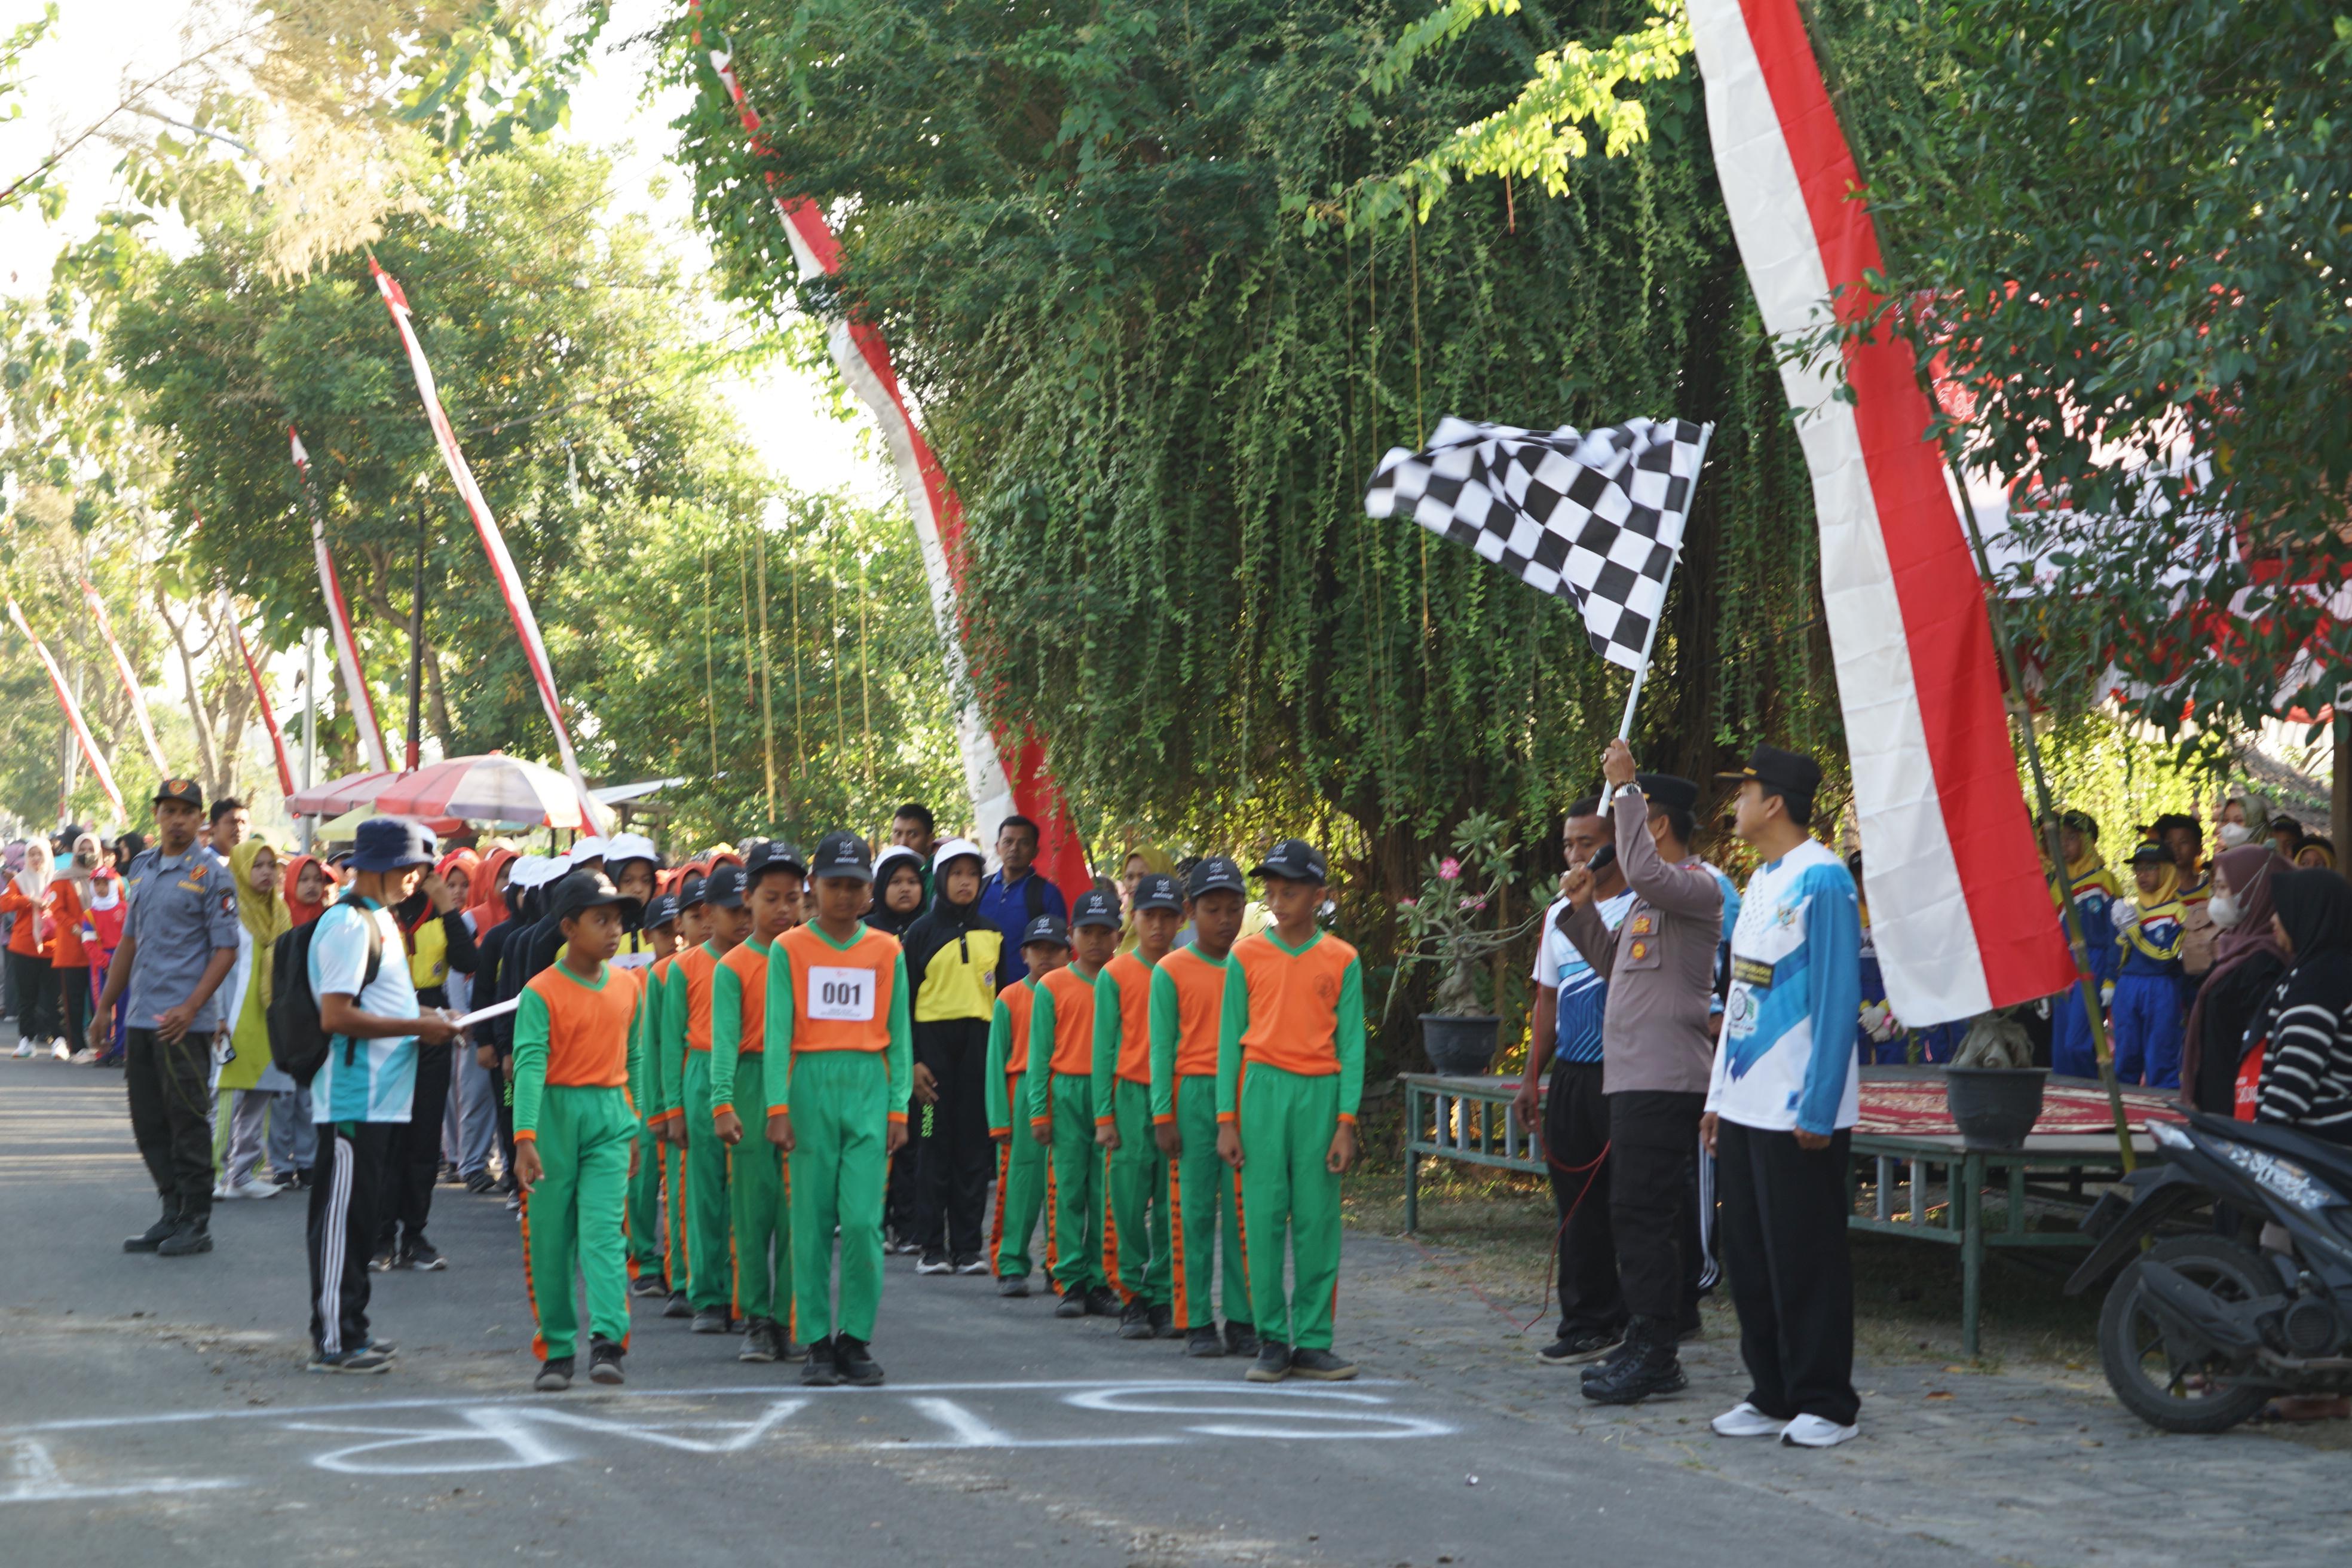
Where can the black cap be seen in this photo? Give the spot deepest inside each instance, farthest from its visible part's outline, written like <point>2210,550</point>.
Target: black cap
<point>581,890</point>
<point>662,912</point>
<point>1157,890</point>
<point>2080,822</point>
<point>1096,907</point>
<point>392,843</point>
<point>724,888</point>
<point>692,891</point>
<point>769,855</point>
<point>187,791</point>
<point>1668,789</point>
<point>843,854</point>
<point>1217,874</point>
<point>2151,853</point>
<point>1045,928</point>
<point>1791,775</point>
<point>1296,860</point>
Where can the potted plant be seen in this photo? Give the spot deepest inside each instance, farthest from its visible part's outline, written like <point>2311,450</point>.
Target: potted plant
<point>1991,1086</point>
<point>1456,923</point>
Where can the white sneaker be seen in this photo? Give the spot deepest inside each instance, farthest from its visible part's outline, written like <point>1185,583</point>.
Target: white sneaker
<point>1744,1420</point>
<point>24,1048</point>
<point>251,1188</point>
<point>221,1193</point>
<point>61,1050</point>
<point>1816,1431</point>
<point>84,1057</point>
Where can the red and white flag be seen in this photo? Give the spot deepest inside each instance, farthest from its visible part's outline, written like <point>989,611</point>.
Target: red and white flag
<point>356,695</point>
<point>1958,907</point>
<point>494,543</point>
<point>99,770</point>
<point>1004,775</point>
<point>260,698</point>
<point>129,681</point>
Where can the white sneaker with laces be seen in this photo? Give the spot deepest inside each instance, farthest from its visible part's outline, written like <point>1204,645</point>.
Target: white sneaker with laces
<point>221,1193</point>
<point>1817,1432</point>
<point>253,1188</point>
<point>24,1048</point>
<point>61,1050</point>
<point>1744,1420</point>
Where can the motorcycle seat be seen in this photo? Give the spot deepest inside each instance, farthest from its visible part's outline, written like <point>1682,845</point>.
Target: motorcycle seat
<point>2330,1160</point>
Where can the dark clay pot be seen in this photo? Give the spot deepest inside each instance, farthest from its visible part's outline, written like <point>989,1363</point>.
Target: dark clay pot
<point>1459,1047</point>
<point>1994,1108</point>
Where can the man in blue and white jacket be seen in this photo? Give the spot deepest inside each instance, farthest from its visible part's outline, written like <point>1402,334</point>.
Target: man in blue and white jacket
<point>1780,1108</point>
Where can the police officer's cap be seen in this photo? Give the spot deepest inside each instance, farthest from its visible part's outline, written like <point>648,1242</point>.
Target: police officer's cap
<point>1668,789</point>
<point>187,791</point>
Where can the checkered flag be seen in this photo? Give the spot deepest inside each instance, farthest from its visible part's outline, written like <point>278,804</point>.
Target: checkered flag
<point>1596,515</point>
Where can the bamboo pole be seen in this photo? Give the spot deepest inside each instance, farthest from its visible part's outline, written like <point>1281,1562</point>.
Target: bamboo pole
<point>767,673</point>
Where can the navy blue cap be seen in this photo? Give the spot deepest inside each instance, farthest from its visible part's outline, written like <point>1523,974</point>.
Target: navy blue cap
<point>692,891</point>
<point>1217,874</point>
<point>2151,853</point>
<point>843,854</point>
<point>1045,928</point>
<point>1096,907</point>
<point>393,844</point>
<point>1296,860</point>
<point>772,855</point>
<point>1157,890</point>
<point>1668,789</point>
<point>581,890</point>
<point>662,912</point>
<point>724,888</point>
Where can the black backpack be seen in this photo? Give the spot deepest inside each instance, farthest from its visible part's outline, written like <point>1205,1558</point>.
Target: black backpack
<point>298,1041</point>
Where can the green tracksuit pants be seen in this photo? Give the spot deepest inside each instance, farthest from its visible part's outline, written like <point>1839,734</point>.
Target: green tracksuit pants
<point>841,1121</point>
<point>1075,1218</point>
<point>573,1219</point>
<point>755,1197</point>
<point>1204,1198</point>
<point>710,1234</point>
<point>645,1206</point>
<point>679,1270</point>
<point>1288,1122</point>
<point>1020,1194</point>
<point>1136,1243</point>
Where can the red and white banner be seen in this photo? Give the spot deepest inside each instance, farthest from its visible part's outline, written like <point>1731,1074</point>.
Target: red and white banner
<point>129,681</point>
<point>1003,776</point>
<point>1958,907</point>
<point>260,698</point>
<point>494,543</point>
<point>356,695</point>
<point>97,767</point>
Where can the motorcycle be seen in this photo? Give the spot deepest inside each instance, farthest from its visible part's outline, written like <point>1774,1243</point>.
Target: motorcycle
<point>2200,1330</point>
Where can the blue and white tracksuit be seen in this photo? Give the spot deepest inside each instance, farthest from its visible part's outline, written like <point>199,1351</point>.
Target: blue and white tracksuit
<point>2072,1049</point>
<point>1786,1057</point>
<point>2148,1024</point>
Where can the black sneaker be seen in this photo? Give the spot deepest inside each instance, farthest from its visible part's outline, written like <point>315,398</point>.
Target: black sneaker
<point>192,1235</point>
<point>1580,1345</point>
<point>819,1371</point>
<point>1320,1365</point>
<point>1135,1321</point>
<point>1204,1341</point>
<point>365,1359</point>
<point>649,1285</point>
<point>481,1183</point>
<point>1073,1304</point>
<point>1646,1367</point>
<point>858,1367</point>
<point>933,1262</point>
<point>604,1361</point>
<point>1273,1363</point>
<point>554,1375</point>
<point>383,1262</point>
<point>757,1344</point>
<point>678,1306</point>
<point>1102,1301</point>
<point>1163,1324</point>
<point>1013,1284</point>
<point>971,1263</point>
<point>711,1322</point>
<point>424,1257</point>
<point>1241,1338</point>
<point>381,1347</point>
<point>154,1236</point>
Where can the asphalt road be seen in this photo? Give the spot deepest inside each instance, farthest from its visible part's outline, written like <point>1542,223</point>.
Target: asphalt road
<point>157,1410</point>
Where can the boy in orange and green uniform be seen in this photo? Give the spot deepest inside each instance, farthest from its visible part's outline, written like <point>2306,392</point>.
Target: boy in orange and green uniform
<point>1290,1074</point>
<point>1188,999</point>
<point>756,1188</point>
<point>1135,1173</point>
<point>709,1242</point>
<point>1020,1162</point>
<point>576,1134</point>
<point>669,1112</point>
<point>1061,1095</point>
<point>655,942</point>
<point>838,1004</point>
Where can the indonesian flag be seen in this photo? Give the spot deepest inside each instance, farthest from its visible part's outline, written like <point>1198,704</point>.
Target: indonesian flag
<point>261,699</point>
<point>97,767</point>
<point>494,543</point>
<point>130,680</point>
<point>1958,907</point>
<point>356,695</point>
<point>1001,778</point>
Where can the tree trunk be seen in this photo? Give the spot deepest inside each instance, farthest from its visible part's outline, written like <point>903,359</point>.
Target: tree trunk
<point>205,760</point>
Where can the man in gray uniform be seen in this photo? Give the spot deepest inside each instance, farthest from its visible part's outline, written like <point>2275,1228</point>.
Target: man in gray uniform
<point>179,942</point>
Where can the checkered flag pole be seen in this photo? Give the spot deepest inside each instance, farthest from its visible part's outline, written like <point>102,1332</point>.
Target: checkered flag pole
<point>1597,517</point>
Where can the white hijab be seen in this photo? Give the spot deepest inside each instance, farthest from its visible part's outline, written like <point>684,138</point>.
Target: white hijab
<point>33,882</point>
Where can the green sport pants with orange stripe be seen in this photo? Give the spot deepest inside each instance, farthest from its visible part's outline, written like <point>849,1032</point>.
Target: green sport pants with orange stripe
<point>1076,1214</point>
<point>709,1228</point>
<point>1137,1195</point>
<point>1287,1122</point>
<point>756,1194</point>
<point>1204,1197</point>
<point>677,1269</point>
<point>645,1206</point>
<point>1020,1196</point>
<point>571,1221</point>
<point>841,1127</point>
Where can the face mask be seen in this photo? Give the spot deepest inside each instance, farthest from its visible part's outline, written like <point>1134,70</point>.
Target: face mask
<point>87,858</point>
<point>2224,907</point>
<point>2233,834</point>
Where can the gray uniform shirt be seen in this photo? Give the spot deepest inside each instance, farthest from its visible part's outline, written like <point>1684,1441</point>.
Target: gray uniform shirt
<point>180,908</point>
<point>1657,1032</point>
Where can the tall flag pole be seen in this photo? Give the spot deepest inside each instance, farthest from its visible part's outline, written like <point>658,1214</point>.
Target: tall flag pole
<point>1002,775</point>
<point>494,543</point>
<point>261,696</point>
<point>357,697</point>
<point>97,767</point>
<point>130,680</point>
<point>1947,845</point>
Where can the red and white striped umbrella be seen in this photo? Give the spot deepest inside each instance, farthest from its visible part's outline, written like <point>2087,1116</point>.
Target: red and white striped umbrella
<point>493,787</point>
<point>337,796</point>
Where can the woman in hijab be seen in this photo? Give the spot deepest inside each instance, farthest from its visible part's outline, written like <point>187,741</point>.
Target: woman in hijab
<point>954,959</point>
<point>898,869</point>
<point>127,849</point>
<point>1139,862</point>
<point>2248,962</point>
<point>250,1080</point>
<point>70,897</point>
<point>306,888</point>
<point>31,941</point>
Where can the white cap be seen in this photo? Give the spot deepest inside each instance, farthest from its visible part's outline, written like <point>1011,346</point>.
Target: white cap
<point>533,871</point>
<point>953,848</point>
<point>588,849</point>
<point>891,857</point>
<point>627,846</point>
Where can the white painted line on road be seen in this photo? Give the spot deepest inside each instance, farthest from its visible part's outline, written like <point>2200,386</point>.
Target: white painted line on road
<point>972,1432</point>
<point>34,1476</point>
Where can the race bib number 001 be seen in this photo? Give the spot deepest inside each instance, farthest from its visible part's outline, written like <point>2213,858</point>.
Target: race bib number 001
<point>843,994</point>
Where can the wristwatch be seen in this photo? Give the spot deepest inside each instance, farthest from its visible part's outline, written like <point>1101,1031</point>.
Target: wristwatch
<point>1630,786</point>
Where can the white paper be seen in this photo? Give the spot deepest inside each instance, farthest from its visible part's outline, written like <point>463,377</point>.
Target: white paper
<point>496,1010</point>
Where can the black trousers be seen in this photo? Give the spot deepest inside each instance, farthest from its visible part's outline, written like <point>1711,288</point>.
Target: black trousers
<point>505,1091</point>
<point>346,1191</point>
<point>1783,1234</point>
<point>36,993</point>
<point>73,1003</point>
<point>170,1086</point>
<point>413,1158</point>
<point>954,1162</point>
<point>1576,1148</point>
<point>1654,1202</point>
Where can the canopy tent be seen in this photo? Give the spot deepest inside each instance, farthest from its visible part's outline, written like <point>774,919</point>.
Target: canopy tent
<point>347,825</point>
<point>493,787</point>
<point>336,796</point>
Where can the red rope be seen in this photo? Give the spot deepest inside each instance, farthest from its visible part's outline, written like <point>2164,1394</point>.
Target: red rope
<point>1589,1169</point>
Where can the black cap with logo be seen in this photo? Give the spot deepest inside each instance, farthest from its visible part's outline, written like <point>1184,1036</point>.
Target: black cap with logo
<point>842,854</point>
<point>1157,890</point>
<point>772,855</point>
<point>1791,775</point>
<point>692,891</point>
<point>1046,928</point>
<point>1217,874</point>
<point>1096,907</point>
<point>723,889</point>
<point>662,912</point>
<point>187,791</point>
<point>584,890</point>
<point>1296,860</point>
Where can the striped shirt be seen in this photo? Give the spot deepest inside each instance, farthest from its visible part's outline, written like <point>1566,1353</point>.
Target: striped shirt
<point>2307,1070</point>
